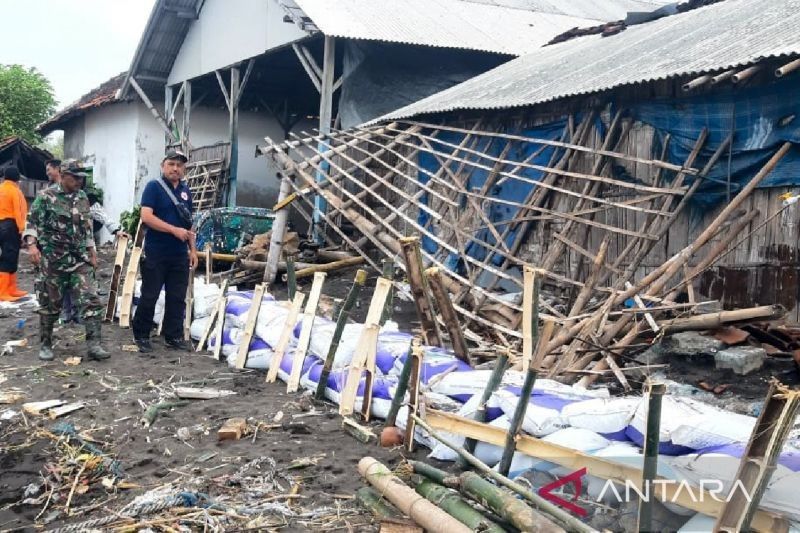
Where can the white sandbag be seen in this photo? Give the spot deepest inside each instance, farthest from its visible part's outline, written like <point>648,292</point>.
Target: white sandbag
<point>608,417</point>
<point>204,296</point>
<point>539,421</point>
<point>583,440</point>
<point>699,523</point>
<point>381,389</point>
<point>715,427</point>
<point>488,453</point>
<point>675,411</point>
<point>271,321</point>
<point>198,327</point>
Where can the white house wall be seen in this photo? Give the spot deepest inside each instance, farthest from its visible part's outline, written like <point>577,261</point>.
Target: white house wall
<point>228,32</point>
<point>149,147</point>
<point>257,185</point>
<point>109,136</point>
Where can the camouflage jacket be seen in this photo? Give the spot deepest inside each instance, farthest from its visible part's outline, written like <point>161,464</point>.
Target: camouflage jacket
<point>62,224</point>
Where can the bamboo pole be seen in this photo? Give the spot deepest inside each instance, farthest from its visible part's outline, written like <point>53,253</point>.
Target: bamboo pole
<point>341,321</point>
<point>388,273</point>
<point>655,393</point>
<point>328,267</point>
<point>291,277</point>
<point>455,506</point>
<point>278,230</point>
<point>426,514</point>
<point>413,395</point>
<point>516,422</point>
<point>500,365</point>
<point>419,289</point>
<point>542,505</point>
<point>402,386</point>
<point>449,317</point>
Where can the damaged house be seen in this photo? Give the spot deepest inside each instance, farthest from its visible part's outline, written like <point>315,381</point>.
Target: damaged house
<point>288,66</point>
<point>645,170</point>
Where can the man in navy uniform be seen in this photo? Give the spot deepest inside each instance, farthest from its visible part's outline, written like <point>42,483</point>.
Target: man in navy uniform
<point>169,253</point>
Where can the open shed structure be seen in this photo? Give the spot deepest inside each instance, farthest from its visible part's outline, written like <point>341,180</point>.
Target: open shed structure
<point>635,171</point>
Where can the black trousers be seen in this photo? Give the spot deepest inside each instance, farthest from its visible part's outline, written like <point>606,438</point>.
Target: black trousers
<point>171,273</point>
<point>9,246</point>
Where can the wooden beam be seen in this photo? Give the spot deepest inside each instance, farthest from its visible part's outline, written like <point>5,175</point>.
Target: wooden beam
<point>325,115</point>
<point>188,308</point>
<point>223,89</point>
<point>187,113</point>
<point>116,276</point>
<point>243,84</point>
<point>366,346</point>
<point>419,290</point>
<point>286,336</point>
<point>222,302</point>
<point>250,326</point>
<point>149,105</point>
<point>449,316</point>
<point>311,68</point>
<point>309,315</point>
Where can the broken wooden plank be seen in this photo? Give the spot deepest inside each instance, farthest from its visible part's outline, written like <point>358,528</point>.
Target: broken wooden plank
<point>367,343</point>
<point>188,313</point>
<point>286,336</point>
<point>361,433</point>
<point>37,408</point>
<point>419,290</point>
<point>128,288</point>
<point>65,409</point>
<point>250,326</point>
<point>414,395</point>
<point>116,276</point>
<point>309,315</point>
<point>214,314</point>
<point>232,429</point>
<point>449,316</point>
<point>201,393</point>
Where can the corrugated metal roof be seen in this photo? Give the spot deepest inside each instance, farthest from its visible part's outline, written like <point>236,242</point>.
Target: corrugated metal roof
<point>100,96</point>
<point>720,36</point>
<point>603,11</point>
<point>440,23</point>
<point>161,41</point>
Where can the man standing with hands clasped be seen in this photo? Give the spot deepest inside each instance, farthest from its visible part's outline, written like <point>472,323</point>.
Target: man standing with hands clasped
<point>169,253</point>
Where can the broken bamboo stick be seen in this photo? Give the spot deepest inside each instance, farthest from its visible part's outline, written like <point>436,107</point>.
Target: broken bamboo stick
<point>419,290</point>
<point>449,316</point>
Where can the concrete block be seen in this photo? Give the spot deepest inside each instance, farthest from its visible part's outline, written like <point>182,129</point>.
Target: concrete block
<point>741,359</point>
<point>691,343</point>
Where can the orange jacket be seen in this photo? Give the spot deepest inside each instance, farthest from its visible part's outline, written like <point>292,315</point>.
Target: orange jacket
<point>13,204</point>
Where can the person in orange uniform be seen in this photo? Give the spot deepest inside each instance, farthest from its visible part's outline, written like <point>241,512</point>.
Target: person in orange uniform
<point>13,211</point>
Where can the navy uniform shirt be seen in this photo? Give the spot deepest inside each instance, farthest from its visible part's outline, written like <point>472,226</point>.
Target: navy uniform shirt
<point>158,243</point>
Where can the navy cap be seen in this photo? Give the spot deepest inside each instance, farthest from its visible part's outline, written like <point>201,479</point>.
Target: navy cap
<point>175,154</point>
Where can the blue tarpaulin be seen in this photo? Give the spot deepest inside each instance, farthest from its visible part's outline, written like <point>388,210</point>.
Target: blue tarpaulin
<point>761,119</point>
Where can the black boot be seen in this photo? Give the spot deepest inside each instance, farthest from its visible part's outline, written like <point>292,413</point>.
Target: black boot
<point>46,324</point>
<point>95,350</point>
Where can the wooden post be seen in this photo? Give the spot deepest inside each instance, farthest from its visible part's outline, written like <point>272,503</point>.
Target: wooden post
<point>364,354</point>
<point>650,468</point>
<point>413,393</point>
<point>188,308</point>
<point>220,320</point>
<point>276,239</point>
<point>388,273</point>
<point>760,458</point>
<point>402,386</point>
<point>119,261</point>
<point>187,112</point>
<point>286,336</point>
<point>449,316</point>
<point>168,98</point>
<point>516,422</point>
<point>215,315</point>
<point>129,287</point>
<point>495,378</point>
<point>341,322</point>
<point>209,260</point>
<point>419,290</point>
<point>325,116</point>
<point>530,315</point>
<point>250,326</point>
<point>301,349</point>
<point>291,279</point>
<point>233,132</point>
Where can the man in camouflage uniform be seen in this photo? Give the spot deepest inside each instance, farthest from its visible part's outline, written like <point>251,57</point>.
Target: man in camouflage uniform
<point>61,244</point>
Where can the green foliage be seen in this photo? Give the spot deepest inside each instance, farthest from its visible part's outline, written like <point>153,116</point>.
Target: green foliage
<point>26,100</point>
<point>129,220</point>
<point>53,144</point>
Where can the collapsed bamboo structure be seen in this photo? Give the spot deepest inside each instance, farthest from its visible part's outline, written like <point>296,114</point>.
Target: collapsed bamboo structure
<point>582,209</point>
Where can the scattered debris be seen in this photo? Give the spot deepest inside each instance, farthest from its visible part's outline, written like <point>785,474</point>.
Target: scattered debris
<point>38,408</point>
<point>65,409</point>
<point>741,359</point>
<point>232,429</point>
<point>191,393</point>
<point>72,361</point>
<point>357,431</point>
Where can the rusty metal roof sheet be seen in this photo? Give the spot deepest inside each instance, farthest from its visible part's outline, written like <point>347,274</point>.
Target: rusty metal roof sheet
<point>729,34</point>
<point>105,94</point>
<point>440,23</point>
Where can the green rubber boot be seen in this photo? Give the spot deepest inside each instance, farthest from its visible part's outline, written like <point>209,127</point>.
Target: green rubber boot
<point>95,350</point>
<point>46,324</point>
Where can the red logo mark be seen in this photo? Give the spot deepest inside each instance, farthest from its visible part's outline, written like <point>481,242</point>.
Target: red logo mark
<point>576,479</point>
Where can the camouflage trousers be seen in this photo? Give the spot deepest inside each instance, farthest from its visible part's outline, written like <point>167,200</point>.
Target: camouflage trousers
<point>51,286</point>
